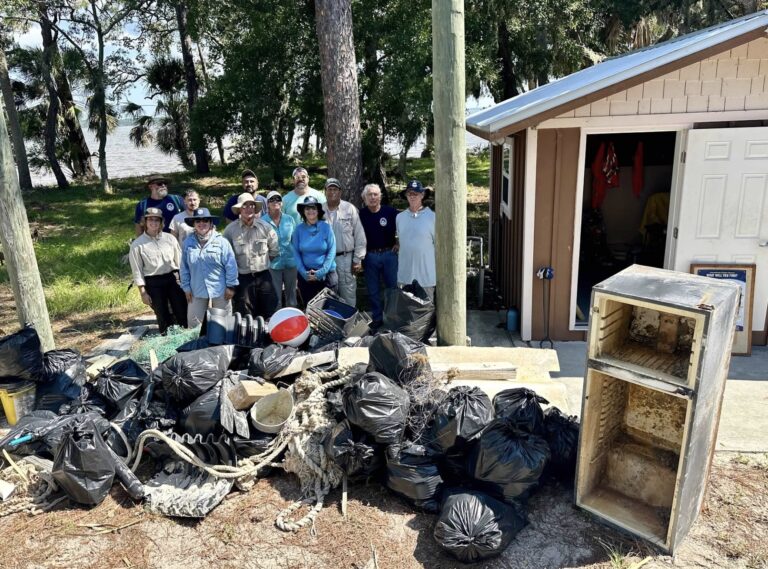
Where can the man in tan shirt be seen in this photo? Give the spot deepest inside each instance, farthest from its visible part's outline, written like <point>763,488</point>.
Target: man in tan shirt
<point>255,244</point>
<point>350,240</point>
<point>155,258</point>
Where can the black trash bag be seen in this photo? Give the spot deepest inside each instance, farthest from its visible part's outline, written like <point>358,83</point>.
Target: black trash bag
<point>414,475</point>
<point>562,434</point>
<point>461,415</point>
<point>453,465</point>
<point>196,344</point>
<point>121,382</point>
<point>255,443</point>
<point>506,461</point>
<point>378,406</point>
<point>84,466</point>
<point>410,311</point>
<point>523,406</point>
<point>186,376</point>
<point>398,357</point>
<point>473,526</point>
<point>203,416</point>
<point>89,402</point>
<point>62,361</point>
<point>352,450</point>
<point>270,361</point>
<point>45,430</point>
<point>21,355</point>
<point>63,377</point>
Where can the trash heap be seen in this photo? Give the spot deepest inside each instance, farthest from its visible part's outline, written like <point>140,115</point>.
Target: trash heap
<point>212,419</point>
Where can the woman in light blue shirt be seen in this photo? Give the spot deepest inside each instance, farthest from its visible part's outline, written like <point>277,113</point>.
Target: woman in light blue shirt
<point>282,269</point>
<point>208,268</point>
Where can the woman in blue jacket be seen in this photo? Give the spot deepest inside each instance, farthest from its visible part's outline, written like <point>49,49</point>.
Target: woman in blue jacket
<point>208,268</point>
<point>314,247</point>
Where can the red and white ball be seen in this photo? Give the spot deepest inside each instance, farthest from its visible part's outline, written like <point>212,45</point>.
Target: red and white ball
<point>289,327</point>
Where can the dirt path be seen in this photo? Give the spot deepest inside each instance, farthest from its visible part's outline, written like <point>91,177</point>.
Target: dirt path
<point>732,532</point>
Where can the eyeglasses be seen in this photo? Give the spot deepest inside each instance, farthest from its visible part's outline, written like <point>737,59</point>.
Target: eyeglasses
<point>310,208</point>
<point>248,206</point>
<point>202,221</point>
<point>274,200</point>
<point>159,183</point>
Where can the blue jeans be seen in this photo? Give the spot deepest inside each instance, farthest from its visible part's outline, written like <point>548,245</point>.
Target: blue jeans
<point>379,266</point>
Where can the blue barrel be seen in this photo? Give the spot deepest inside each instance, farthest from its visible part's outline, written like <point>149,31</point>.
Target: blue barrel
<point>513,320</point>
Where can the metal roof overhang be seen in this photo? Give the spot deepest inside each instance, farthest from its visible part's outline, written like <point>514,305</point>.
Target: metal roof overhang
<point>612,76</point>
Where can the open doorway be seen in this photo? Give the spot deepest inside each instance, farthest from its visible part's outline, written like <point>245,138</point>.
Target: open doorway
<point>625,207</point>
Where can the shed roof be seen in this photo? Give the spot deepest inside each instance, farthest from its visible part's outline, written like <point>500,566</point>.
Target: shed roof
<point>613,75</point>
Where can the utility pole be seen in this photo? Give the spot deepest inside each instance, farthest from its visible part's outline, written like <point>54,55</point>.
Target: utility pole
<point>448,94</point>
<point>18,249</point>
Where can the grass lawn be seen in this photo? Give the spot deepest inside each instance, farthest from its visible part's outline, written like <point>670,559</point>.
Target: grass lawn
<point>84,235</point>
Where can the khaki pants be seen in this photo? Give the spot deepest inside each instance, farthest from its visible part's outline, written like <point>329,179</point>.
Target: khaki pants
<point>347,281</point>
<point>198,307</point>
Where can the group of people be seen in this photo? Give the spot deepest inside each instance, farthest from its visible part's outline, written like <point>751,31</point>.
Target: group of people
<point>274,246</point>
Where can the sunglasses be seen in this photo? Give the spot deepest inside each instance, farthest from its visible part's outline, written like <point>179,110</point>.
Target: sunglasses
<point>310,208</point>
<point>202,220</point>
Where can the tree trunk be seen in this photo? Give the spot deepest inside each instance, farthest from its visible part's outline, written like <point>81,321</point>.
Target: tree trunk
<point>101,101</point>
<point>219,143</point>
<point>19,251</point>
<point>52,117</point>
<point>305,140</point>
<point>338,71</point>
<point>508,78</point>
<point>201,153</point>
<point>19,149</point>
<point>80,154</point>
<point>449,96</point>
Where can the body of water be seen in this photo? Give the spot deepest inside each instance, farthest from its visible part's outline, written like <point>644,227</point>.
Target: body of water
<point>124,159</point>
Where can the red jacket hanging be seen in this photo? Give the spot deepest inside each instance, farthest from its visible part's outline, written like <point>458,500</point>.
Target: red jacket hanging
<point>605,173</point>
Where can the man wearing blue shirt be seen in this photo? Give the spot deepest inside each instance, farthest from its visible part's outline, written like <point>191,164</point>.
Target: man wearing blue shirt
<point>380,262</point>
<point>169,204</point>
<point>250,185</point>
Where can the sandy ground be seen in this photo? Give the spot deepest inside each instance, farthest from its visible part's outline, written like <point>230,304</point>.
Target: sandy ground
<point>731,532</point>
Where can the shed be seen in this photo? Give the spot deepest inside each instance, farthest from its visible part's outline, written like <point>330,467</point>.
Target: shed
<point>657,157</point>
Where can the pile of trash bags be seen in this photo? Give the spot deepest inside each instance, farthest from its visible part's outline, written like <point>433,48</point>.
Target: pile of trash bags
<point>453,452</point>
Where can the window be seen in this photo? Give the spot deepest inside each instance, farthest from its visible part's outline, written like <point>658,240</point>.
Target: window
<point>506,177</point>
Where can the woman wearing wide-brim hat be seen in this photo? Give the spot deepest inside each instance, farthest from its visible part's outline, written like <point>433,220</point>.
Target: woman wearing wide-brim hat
<point>314,247</point>
<point>155,258</point>
<point>208,267</point>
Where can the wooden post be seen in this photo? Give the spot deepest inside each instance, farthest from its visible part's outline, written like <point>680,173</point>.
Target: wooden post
<point>25,178</point>
<point>448,94</point>
<point>18,249</point>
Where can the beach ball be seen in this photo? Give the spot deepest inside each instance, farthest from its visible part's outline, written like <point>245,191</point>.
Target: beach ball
<point>289,327</point>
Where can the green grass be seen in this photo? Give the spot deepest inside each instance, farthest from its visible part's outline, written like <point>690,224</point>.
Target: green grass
<point>84,234</point>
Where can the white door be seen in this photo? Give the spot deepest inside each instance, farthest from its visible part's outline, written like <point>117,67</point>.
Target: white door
<point>724,205</point>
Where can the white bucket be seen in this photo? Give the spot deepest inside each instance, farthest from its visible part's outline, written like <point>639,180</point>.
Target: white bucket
<point>269,413</point>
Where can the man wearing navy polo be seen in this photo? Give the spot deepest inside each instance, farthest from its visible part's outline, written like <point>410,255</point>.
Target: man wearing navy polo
<point>380,262</point>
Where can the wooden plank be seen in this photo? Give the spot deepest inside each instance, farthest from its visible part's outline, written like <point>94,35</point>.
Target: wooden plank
<point>120,346</point>
<point>302,363</point>
<point>99,363</point>
<point>542,359</point>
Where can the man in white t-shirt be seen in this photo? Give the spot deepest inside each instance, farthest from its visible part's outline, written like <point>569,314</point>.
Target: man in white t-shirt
<point>416,234</point>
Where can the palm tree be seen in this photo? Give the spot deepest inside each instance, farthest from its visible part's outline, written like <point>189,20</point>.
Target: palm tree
<point>165,78</point>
